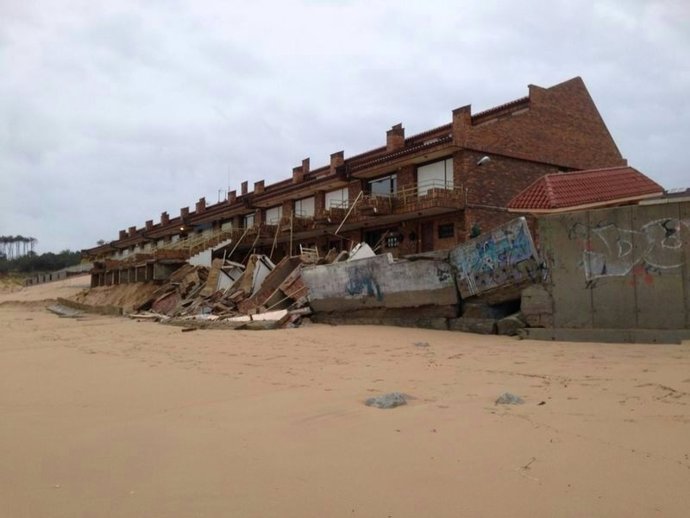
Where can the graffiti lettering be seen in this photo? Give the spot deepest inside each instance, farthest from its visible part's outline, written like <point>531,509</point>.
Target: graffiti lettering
<point>610,251</point>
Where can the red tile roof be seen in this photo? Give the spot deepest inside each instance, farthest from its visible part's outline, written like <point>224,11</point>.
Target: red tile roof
<point>579,189</point>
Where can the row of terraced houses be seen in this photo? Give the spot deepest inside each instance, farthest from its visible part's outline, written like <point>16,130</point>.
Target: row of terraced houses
<point>414,194</point>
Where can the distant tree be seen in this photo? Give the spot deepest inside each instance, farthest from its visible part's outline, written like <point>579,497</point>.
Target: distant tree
<point>32,262</point>
<point>100,242</point>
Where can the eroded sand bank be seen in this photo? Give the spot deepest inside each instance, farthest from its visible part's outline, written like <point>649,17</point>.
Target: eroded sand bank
<point>106,416</point>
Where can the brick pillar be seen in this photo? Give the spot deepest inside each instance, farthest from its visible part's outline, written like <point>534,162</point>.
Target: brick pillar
<point>319,203</point>
<point>288,208</point>
<point>259,187</point>
<point>245,188</point>
<point>406,177</point>
<point>355,187</point>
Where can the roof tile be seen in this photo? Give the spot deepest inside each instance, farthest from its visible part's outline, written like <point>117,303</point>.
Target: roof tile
<point>590,187</point>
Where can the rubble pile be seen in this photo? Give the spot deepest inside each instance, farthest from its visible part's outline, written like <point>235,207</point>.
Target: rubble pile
<point>272,295</point>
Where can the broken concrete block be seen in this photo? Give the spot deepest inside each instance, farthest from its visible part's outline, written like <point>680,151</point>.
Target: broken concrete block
<point>509,399</point>
<point>390,400</point>
<point>537,306</point>
<point>509,326</point>
<point>482,326</point>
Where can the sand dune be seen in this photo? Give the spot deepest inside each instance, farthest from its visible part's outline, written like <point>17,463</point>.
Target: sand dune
<point>111,417</point>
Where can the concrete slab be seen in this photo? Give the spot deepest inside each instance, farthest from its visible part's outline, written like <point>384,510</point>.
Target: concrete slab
<point>379,282</point>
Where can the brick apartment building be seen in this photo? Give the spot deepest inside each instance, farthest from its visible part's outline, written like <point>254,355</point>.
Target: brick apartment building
<point>414,194</point>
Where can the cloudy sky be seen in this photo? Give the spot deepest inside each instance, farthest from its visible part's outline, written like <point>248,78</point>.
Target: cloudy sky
<point>112,112</point>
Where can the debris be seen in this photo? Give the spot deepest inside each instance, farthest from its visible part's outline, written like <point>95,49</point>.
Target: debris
<point>64,311</point>
<point>509,399</point>
<point>421,344</point>
<point>509,325</point>
<point>482,326</point>
<point>188,329</point>
<point>390,400</point>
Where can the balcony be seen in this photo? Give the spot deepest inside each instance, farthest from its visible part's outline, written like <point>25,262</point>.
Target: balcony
<point>432,197</point>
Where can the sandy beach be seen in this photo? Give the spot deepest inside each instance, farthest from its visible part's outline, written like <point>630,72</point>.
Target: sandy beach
<point>110,417</point>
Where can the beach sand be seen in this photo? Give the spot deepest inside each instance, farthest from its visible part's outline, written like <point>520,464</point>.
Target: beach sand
<point>110,417</point>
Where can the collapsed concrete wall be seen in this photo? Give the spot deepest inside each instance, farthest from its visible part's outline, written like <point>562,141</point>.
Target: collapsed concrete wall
<point>504,257</point>
<point>619,268</point>
<point>379,282</point>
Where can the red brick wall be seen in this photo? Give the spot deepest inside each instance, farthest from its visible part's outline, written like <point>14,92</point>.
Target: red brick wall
<point>487,219</point>
<point>562,126</point>
<point>497,181</point>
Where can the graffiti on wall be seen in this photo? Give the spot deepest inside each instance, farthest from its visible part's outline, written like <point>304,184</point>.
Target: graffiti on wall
<point>362,281</point>
<point>608,250</point>
<point>506,255</point>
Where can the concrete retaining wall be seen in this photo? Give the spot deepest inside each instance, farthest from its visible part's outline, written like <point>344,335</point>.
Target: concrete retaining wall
<point>619,268</point>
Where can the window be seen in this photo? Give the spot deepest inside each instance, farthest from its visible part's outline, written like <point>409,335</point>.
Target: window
<point>338,199</point>
<point>249,221</point>
<point>384,186</point>
<point>304,208</point>
<point>446,231</point>
<point>274,214</point>
<point>437,175</point>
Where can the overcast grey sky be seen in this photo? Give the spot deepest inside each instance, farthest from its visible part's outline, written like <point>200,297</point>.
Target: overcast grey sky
<point>112,112</point>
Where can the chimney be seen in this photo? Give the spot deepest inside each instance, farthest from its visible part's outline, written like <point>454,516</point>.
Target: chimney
<point>305,166</point>
<point>123,234</point>
<point>337,159</point>
<point>232,196</point>
<point>259,187</point>
<point>395,138</point>
<point>149,224</point>
<point>201,205</point>
<point>184,212</point>
<point>462,120</point>
<point>165,219</point>
<point>245,188</point>
<point>297,174</point>
<point>132,231</point>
